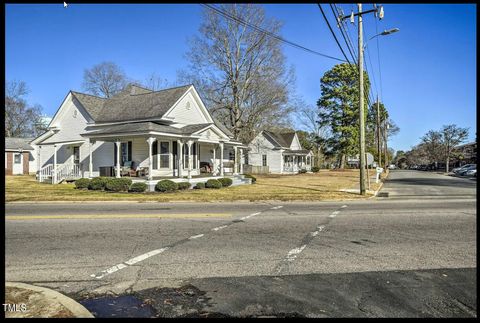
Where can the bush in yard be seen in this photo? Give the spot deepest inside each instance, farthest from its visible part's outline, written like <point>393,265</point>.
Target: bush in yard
<point>213,183</point>
<point>254,179</point>
<point>184,186</point>
<point>82,183</point>
<point>118,184</point>
<point>315,169</point>
<point>98,183</point>
<point>302,171</point>
<point>225,181</point>
<point>166,186</point>
<point>138,187</point>
<point>199,186</point>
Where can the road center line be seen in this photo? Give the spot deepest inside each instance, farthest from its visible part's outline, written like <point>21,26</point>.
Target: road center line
<point>219,228</point>
<point>276,207</point>
<point>145,256</point>
<point>197,236</point>
<point>292,254</point>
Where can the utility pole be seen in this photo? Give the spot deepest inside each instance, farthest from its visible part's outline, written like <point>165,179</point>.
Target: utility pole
<point>379,149</point>
<point>362,112</point>
<point>386,141</point>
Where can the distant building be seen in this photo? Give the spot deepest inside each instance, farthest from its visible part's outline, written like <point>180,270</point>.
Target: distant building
<point>19,156</point>
<point>466,154</point>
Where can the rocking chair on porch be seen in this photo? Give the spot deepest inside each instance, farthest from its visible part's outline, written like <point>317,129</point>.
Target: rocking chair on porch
<point>128,169</point>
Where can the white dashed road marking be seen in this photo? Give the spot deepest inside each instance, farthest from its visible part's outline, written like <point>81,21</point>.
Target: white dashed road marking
<point>149,254</point>
<point>145,256</point>
<point>276,207</point>
<point>197,236</point>
<point>292,254</point>
<point>219,228</point>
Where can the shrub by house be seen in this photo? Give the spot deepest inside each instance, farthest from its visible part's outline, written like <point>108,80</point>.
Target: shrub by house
<point>166,186</point>
<point>213,183</point>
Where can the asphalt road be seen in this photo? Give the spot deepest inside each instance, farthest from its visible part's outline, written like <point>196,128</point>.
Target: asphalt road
<point>412,254</point>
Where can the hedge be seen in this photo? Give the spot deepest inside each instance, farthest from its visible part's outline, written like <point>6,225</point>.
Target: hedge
<point>225,181</point>
<point>98,183</point>
<point>118,184</point>
<point>82,183</point>
<point>254,179</point>
<point>302,171</point>
<point>138,187</point>
<point>184,186</point>
<point>213,183</point>
<point>199,186</point>
<point>315,169</point>
<point>166,186</point>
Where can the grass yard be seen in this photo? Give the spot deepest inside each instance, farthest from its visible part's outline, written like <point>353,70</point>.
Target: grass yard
<point>324,185</point>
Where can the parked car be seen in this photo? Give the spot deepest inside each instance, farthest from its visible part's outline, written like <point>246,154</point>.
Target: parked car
<point>392,166</point>
<point>471,172</point>
<point>457,169</point>
<point>463,172</point>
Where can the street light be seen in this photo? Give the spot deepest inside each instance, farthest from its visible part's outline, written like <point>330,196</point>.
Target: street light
<point>383,33</point>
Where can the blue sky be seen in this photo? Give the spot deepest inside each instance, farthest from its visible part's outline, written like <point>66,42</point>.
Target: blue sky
<point>428,69</point>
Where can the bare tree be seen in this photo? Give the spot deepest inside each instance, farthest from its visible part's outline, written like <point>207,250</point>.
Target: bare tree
<point>104,79</point>
<point>452,135</point>
<point>307,115</point>
<point>155,83</point>
<point>241,72</point>
<point>21,120</point>
<point>432,142</point>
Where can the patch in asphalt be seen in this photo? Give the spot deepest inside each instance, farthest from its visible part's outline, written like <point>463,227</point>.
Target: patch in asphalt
<point>445,292</point>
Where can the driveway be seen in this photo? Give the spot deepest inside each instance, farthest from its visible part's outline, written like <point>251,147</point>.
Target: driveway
<point>421,184</point>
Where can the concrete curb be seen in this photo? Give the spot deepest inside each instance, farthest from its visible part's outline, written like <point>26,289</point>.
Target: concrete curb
<point>77,309</point>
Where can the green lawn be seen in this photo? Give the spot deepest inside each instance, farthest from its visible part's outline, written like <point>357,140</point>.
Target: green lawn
<point>324,185</point>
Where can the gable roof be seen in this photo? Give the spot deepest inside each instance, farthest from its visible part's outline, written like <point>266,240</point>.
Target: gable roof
<point>133,103</point>
<point>93,104</point>
<point>15,143</point>
<point>280,139</point>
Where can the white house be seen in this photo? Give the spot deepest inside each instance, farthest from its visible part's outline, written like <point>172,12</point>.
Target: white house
<point>281,152</point>
<point>138,132</point>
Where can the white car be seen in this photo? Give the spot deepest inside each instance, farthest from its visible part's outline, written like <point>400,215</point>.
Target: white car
<point>471,172</point>
<point>462,168</point>
<point>392,166</point>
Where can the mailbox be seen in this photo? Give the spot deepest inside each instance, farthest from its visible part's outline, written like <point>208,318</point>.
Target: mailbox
<point>379,170</point>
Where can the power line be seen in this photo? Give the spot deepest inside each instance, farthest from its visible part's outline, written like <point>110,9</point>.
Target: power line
<point>331,30</point>
<point>265,32</point>
<point>341,48</point>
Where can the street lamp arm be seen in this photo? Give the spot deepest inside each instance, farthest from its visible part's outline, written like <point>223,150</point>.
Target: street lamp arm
<point>383,33</point>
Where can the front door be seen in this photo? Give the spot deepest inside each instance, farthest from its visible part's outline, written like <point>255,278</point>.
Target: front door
<point>76,155</point>
<point>17,164</point>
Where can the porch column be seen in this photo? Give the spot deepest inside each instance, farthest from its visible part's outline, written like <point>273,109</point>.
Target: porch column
<point>180,157</point>
<point>54,164</point>
<point>221,159</point>
<point>235,160</point>
<point>150,141</point>
<point>90,162</point>
<point>118,157</point>
<point>38,162</point>
<point>241,157</point>
<point>282,161</point>
<point>189,144</point>
<point>214,168</point>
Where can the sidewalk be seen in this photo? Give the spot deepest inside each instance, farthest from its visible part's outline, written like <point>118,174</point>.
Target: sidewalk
<point>28,301</point>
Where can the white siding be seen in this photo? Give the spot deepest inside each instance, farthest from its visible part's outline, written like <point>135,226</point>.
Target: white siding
<point>72,122</point>
<point>187,111</point>
<point>261,146</point>
<point>295,143</point>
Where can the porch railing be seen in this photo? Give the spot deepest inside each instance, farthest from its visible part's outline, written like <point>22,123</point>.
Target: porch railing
<point>63,171</point>
<point>45,173</point>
